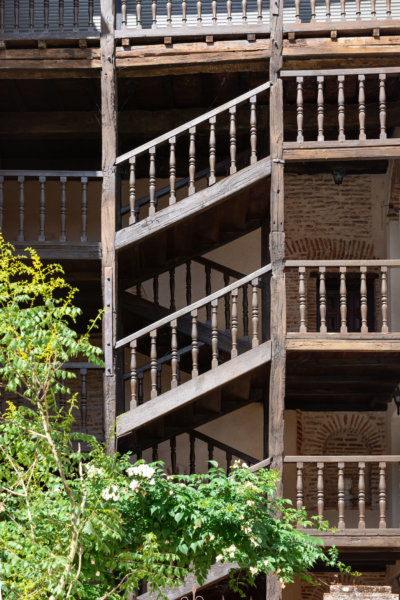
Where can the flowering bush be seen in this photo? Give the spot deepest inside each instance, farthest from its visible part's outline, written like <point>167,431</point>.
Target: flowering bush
<point>87,525</point>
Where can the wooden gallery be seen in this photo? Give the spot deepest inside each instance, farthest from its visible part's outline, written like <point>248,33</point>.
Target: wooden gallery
<point>223,176</point>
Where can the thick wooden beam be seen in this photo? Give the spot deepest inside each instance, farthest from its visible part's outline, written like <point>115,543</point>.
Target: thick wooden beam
<point>108,213</point>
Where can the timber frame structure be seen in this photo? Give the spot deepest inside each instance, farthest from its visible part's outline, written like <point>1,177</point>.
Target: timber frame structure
<point>139,136</point>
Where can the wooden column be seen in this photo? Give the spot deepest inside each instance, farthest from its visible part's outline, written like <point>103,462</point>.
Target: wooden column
<point>108,212</point>
<point>277,251</point>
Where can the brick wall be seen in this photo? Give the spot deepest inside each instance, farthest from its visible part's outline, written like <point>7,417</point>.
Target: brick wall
<point>326,581</point>
<point>360,592</point>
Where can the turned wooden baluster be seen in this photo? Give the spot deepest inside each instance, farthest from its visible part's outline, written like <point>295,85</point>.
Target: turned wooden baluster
<point>159,368</point>
<point>232,139</point>
<point>199,8</point>
<point>31,15</point>
<point>133,379</point>
<point>1,201</point>
<point>227,308</point>
<point>2,11</point>
<point>152,181</point>
<point>312,6</point>
<point>90,14</point>
<point>322,300</point>
<point>153,14</point>
<point>153,363</point>
<point>328,9</point>
<point>234,322</point>
<point>382,495</point>
<point>42,210</point>
<point>172,444</point>
<point>254,313</point>
<point>253,129</point>
<point>214,11</point>
<point>297,9</point>
<point>299,102</point>
<point>228,458</point>
<point>83,373</point>
<point>320,490</point>
<point>373,8</point>
<point>244,11</point>
<point>84,182</point>
<point>132,190</point>
<point>341,523</point>
<point>184,12</point>
<point>343,9</point>
<point>208,290</point>
<point>361,495</point>
<point>16,14</point>
<point>195,345</point>
<point>172,171</point>
<point>343,301</point>
<point>61,14</point>
<point>192,454</point>
<point>302,299</point>
<point>299,485</point>
<point>384,300</point>
<point>388,9</point>
<point>363,299</point>
<point>124,13</point>
<point>76,15</point>
<point>155,290</point>
<point>358,10</point>
<point>320,108</point>
<point>172,305</point>
<point>210,449</point>
<point>154,453</point>
<point>21,210</point>
<point>382,106</point>
<point>214,333</point>
<point>63,209</point>
<point>139,14</point>
<point>174,354</point>
<point>229,11</point>
<point>259,11</point>
<point>341,113</point>
<point>212,143</point>
<point>245,313</point>
<point>140,387</point>
<point>361,106</point>
<point>169,12</point>
<point>188,282</point>
<point>192,160</point>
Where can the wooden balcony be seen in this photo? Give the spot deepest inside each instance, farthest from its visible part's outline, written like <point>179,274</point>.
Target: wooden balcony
<point>55,212</point>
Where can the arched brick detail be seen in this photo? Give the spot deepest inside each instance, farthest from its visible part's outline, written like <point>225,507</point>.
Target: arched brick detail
<point>326,248</point>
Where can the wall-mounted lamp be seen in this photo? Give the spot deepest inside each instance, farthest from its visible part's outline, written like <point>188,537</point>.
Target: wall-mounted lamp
<point>338,175</point>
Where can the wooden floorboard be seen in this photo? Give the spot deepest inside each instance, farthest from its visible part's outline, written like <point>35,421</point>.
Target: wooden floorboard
<point>193,205</point>
<point>194,389</point>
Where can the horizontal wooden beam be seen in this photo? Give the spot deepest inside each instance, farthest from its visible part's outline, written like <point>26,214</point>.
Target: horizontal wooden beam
<point>294,343</point>
<point>350,149</point>
<point>361,538</point>
<point>61,251</point>
<point>193,390</point>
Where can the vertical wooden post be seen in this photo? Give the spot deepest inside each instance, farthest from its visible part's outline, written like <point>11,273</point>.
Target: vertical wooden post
<point>108,201</point>
<point>277,253</point>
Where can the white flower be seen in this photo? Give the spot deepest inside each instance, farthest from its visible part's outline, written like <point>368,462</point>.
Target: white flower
<point>219,558</point>
<point>212,537</point>
<point>266,563</point>
<point>253,570</point>
<point>241,517</point>
<point>250,502</point>
<point>110,493</point>
<point>254,542</point>
<point>92,562</point>
<point>97,573</point>
<point>232,549</point>
<point>92,471</point>
<point>171,493</point>
<point>181,485</point>
<point>245,465</point>
<point>283,585</point>
<point>245,529</point>
<point>141,470</point>
<point>134,485</point>
<point>152,482</point>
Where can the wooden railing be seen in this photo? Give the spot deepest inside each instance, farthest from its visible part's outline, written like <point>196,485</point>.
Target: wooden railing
<point>336,14</point>
<point>40,196</point>
<point>341,105</point>
<point>198,450</point>
<point>49,18</point>
<point>83,368</point>
<point>151,339</point>
<point>351,473</point>
<point>188,134</point>
<point>368,280</point>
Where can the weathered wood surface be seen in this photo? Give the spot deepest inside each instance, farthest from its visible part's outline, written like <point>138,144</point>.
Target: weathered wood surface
<point>193,205</point>
<point>360,538</point>
<point>58,251</point>
<point>353,150</point>
<point>194,389</point>
<point>363,344</point>
<point>346,459</point>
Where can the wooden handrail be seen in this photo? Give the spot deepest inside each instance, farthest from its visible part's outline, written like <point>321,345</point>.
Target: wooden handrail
<point>218,267</point>
<point>336,72</point>
<point>38,173</point>
<point>384,262</point>
<point>224,447</point>
<point>187,309</point>
<point>182,128</point>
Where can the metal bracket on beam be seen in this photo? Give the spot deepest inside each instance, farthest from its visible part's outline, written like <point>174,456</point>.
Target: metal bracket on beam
<point>278,160</point>
<point>108,322</point>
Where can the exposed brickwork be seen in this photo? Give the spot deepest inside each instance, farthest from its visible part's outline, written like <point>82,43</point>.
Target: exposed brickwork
<point>327,580</point>
<point>360,592</point>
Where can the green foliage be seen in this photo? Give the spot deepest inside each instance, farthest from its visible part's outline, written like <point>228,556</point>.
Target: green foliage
<point>91,526</point>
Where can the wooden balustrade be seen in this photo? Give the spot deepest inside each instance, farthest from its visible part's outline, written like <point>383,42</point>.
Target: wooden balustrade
<point>342,105</point>
<point>153,339</point>
<point>185,139</point>
<point>351,484</point>
<point>198,450</point>
<point>49,18</point>
<point>39,192</point>
<point>358,289</point>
